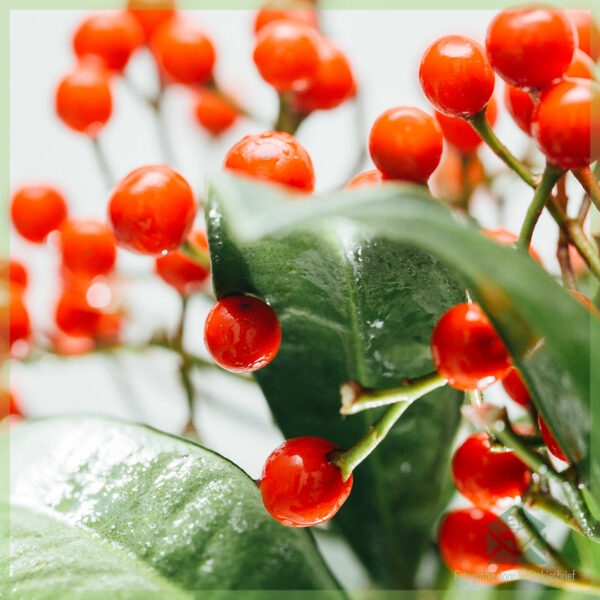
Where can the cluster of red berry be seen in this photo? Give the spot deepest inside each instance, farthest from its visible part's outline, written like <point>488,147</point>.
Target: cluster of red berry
<point>151,211</point>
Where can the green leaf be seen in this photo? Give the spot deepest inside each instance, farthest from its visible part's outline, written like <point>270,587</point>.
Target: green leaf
<point>357,298</point>
<point>100,504</point>
<point>352,305</point>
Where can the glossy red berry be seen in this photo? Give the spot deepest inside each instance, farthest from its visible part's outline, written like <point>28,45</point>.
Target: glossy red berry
<point>565,120</point>
<point>456,77</point>
<point>515,387</point>
<point>14,273</point>
<point>213,111</point>
<point>588,32</point>
<point>582,66</point>
<point>406,143</point>
<point>477,542</point>
<point>367,178</point>
<point>298,15</point>
<point>467,350</point>
<point>286,55</point>
<point>332,83</point>
<point>242,333</point>
<point>299,486</point>
<point>83,98</point>
<point>88,247</point>
<point>550,440</point>
<point>151,14</point>
<point>180,271</point>
<point>460,133</point>
<point>520,105</point>
<point>273,156</point>
<point>530,47</point>
<point>36,210</point>
<point>184,53</point>
<point>487,478</point>
<point>506,238</point>
<point>151,210</point>
<point>112,36</point>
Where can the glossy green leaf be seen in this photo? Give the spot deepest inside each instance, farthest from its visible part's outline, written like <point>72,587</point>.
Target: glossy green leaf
<point>357,298</point>
<point>100,504</point>
<point>352,305</point>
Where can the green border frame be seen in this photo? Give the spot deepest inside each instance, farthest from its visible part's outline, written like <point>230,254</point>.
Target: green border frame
<point>5,10</point>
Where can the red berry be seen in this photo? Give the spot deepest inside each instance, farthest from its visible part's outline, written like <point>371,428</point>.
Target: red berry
<point>586,302</point>
<point>406,143</point>
<point>565,120</point>
<point>588,33</point>
<point>111,36</point>
<point>286,55</point>
<point>14,320</point>
<point>8,405</point>
<point>550,440</point>
<point>530,47</point>
<point>76,316</point>
<point>332,84</point>
<point>467,350</point>
<point>273,156</point>
<point>515,387</point>
<point>268,15</point>
<point>506,238</point>
<point>213,111</point>
<point>242,333</point>
<point>14,273</point>
<point>477,542</point>
<point>582,66</point>
<point>180,271</point>
<point>460,133</point>
<point>520,105</point>
<point>88,248</point>
<point>83,97</point>
<point>299,486</point>
<point>151,210</point>
<point>36,210</point>
<point>184,53</point>
<point>367,178</point>
<point>151,14</point>
<point>456,76</point>
<point>485,477</point>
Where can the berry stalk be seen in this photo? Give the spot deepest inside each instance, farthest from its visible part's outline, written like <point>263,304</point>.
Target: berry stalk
<point>196,254</point>
<point>107,175</point>
<point>542,193</point>
<point>589,183</point>
<point>356,398</point>
<point>481,125</point>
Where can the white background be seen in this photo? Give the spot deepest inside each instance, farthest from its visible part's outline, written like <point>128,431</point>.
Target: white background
<point>385,48</point>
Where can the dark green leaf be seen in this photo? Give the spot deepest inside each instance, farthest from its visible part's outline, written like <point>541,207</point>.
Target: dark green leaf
<point>100,504</point>
<point>352,305</point>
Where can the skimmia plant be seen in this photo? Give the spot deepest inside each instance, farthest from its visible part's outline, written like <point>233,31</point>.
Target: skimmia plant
<point>373,318</point>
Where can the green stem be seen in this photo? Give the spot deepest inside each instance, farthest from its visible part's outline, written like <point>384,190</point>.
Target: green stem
<point>500,427</point>
<point>480,123</point>
<point>585,248</point>
<point>184,366</point>
<point>102,161</point>
<point>551,175</point>
<point>589,183</point>
<point>348,460</point>
<point>356,398</point>
<point>287,120</point>
<point>197,255</point>
<point>536,498</point>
